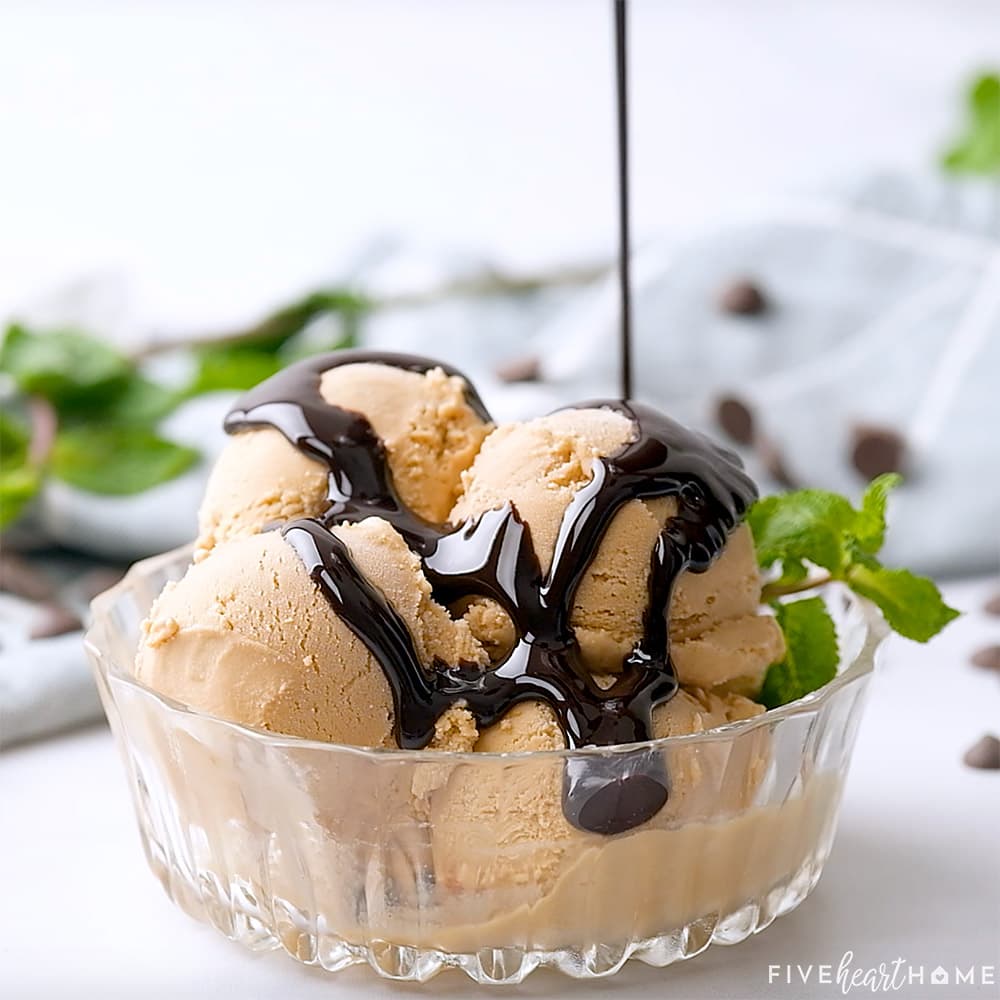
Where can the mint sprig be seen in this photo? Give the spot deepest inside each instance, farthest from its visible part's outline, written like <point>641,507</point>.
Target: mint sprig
<point>100,434</point>
<point>18,477</point>
<point>807,529</point>
<point>977,151</point>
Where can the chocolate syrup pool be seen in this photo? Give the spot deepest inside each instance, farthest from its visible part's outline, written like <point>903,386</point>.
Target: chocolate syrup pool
<point>493,556</point>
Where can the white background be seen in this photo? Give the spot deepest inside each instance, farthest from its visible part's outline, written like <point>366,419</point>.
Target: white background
<point>222,154</point>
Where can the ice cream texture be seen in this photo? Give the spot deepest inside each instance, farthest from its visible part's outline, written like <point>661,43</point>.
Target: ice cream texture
<point>718,637</point>
<point>248,637</point>
<point>268,627</point>
<point>429,431</point>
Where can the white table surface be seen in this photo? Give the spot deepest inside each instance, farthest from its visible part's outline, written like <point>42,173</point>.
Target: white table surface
<point>915,873</point>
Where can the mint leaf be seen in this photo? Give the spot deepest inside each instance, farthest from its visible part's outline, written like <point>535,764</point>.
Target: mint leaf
<point>68,368</point>
<point>912,605</point>
<point>282,325</point>
<point>793,571</point>
<point>140,401</point>
<point>806,524</point>
<point>978,150</point>
<point>117,461</point>
<point>19,482</point>
<point>811,654</point>
<point>18,486</point>
<point>869,527</point>
<point>14,439</point>
<point>232,367</point>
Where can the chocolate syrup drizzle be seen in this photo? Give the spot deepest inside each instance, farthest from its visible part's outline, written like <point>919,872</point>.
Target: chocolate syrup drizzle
<point>492,555</point>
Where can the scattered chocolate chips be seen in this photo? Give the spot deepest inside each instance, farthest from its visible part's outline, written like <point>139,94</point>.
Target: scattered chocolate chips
<point>743,297</point>
<point>735,418</point>
<point>19,577</point>
<point>876,450</point>
<point>54,620</point>
<point>992,606</point>
<point>988,658</point>
<point>526,368</point>
<point>772,459</point>
<point>984,754</point>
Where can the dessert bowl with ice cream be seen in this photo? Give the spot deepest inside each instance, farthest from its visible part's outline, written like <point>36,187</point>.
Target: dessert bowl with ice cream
<point>430,692</point>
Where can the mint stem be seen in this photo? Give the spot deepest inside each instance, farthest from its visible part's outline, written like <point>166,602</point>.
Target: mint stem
<point>44,424</point>
<point>486,284</point>
<point>772,591</point>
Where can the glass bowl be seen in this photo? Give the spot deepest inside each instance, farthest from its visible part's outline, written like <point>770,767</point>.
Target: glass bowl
<point>416,861</point>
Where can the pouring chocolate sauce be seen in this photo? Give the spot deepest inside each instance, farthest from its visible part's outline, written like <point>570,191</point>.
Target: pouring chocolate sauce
<point>493,556</point>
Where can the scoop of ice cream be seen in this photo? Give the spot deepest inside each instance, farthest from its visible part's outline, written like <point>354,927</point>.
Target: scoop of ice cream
<point>718,637</point>
<point>246,635</point>
<point>430,432</point>
<point>495,826</point>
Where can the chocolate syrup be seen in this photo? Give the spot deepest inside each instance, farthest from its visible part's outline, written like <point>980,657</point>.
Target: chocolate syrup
<point>493,556</point>
<point>359,482</point>
<point>624,242</point>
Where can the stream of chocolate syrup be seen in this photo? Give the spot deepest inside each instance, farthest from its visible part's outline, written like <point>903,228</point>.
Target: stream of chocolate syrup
<point>624,240</point>
<point>492,555</point>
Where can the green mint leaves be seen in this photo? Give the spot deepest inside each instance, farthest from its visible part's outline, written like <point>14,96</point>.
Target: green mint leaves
<point>67,368</point>
<point>978,150</point>
<point>100,411</point>
<point>98,430</point>
<point>18,478</point>
<point>118,460</point>
<point>811,654</point>
<point>912,605</point>
<point>815,528</point>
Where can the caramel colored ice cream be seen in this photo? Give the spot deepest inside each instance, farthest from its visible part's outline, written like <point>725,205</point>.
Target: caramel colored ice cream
<point>430,432</point>
<point>247,636</point>
<point>507,828</point>
<point>719,639</point>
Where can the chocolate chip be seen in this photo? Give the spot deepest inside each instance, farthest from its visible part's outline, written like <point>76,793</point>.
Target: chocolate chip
<point>608,795</point>
<point>54,620</point>
<point>526,368</point>
<point>984,754</point>
<point>19,577</point>
<point>772,459</point>
<point>988,658</point>
<point>875,450</point>
<point>735,418</point>
<point>742,298</point>
<point>992,606</point>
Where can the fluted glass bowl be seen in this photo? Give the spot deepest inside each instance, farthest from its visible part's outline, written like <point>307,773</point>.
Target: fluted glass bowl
<point>415,861</point>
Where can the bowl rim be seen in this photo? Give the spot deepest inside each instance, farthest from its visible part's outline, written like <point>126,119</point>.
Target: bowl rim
<point>861,667</point>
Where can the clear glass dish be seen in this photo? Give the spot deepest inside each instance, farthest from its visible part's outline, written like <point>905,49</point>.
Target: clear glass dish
<point>417,861</point>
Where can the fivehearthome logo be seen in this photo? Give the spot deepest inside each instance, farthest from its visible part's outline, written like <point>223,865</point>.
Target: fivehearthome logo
<point>886,977</point>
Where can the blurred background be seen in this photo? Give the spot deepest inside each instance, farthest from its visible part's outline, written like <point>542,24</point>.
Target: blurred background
<point>192,194</point>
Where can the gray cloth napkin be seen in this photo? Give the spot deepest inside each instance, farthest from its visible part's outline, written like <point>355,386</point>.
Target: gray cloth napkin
<point>884,310</point>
